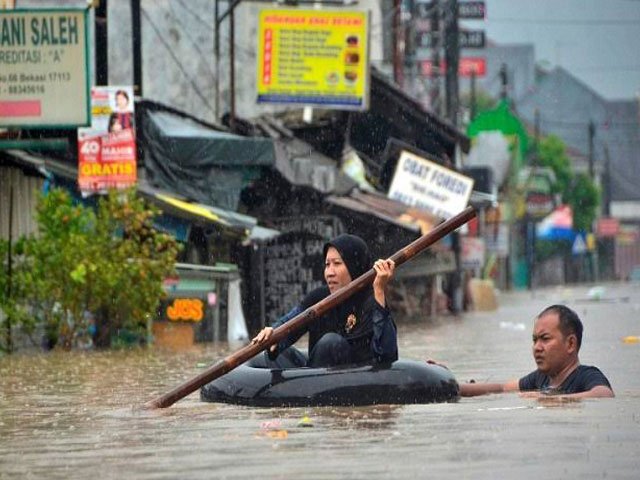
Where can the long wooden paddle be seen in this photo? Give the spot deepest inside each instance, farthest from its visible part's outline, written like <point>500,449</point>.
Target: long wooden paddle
<point>309,315</point>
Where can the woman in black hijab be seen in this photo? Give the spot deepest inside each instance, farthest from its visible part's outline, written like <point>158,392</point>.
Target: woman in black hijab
<point>360,330</point>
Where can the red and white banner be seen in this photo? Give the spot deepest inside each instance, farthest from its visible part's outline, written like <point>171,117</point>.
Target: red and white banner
<point>466,67</point>
<point>107,150</point>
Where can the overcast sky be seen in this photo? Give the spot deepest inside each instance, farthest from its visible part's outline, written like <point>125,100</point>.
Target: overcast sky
<point>596,40</point>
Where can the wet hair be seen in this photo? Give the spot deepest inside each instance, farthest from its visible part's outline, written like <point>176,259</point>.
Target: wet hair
<point>568,321</point>
<point>354,253</point>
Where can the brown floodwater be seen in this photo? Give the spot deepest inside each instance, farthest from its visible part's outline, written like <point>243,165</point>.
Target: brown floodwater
<point>77,414</point>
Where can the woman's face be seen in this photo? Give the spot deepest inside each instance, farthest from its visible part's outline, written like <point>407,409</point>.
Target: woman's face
<point>121,102</point>
<point>336,273</point>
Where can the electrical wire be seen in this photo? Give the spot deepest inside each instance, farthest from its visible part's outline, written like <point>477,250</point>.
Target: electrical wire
<point>557,21</point>
<point>196,45</point>
<point>177,61</point>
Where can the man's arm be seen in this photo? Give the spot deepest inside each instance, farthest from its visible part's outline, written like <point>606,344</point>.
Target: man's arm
<point>476,389</point>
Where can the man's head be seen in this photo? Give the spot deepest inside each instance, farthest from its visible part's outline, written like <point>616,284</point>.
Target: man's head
<point>557,337</point>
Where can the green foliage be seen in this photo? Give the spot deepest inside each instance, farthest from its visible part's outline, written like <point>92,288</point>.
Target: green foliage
<point>552,153</point>
<point>483,102</point>
<point>130,261</point>
<point>584,198</point>
<point>546,249</point>
<point>578,190</point>
<point>12,291</point>
<point>101,268</point>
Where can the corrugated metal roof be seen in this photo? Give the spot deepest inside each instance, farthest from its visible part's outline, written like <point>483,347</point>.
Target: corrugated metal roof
<point>384,208</point>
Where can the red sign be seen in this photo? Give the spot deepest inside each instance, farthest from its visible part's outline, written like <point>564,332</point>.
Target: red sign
<point>607,227</point>
<point>107,150</point>
<point>107,161</point>
<point>466,67</point>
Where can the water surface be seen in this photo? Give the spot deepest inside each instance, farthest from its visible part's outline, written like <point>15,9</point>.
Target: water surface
<point>78,415</point>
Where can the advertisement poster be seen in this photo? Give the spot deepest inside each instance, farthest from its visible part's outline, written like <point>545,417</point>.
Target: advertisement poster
<point>44,74</point>
<point>419,183</point>
<point>107,150</point>
<point>314,58</point>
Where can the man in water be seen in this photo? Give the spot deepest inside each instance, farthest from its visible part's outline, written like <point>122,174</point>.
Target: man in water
<point>557,336</point>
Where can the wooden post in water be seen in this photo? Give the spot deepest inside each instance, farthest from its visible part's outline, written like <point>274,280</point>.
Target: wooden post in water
<point>309,315</point>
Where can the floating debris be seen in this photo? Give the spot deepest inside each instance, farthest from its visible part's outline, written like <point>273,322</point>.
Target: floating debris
<point>305,422</point>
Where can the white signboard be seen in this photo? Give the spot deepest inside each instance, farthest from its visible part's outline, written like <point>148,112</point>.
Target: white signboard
<point>497,241</point>
<point>472,252</point>
<point>44,76</point>
<point>419,183</point>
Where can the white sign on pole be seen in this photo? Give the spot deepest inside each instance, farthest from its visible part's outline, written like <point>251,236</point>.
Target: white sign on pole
<point>44,74</point>
<point>423,184</point>
<point>472,252</point>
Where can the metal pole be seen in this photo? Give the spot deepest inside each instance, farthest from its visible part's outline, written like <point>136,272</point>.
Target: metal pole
<point>606,207</point>
<point>136,27</point>
<point>232,71</point>
<point>536,152</point>
<point>473,95</point>
<point>503,81</point>
<point>101,44</point>
<point>216,50</point>
<point>592,133</point>
<point>9,338</point>
<point>435,57</point>
<point>398,60</point>
<point>452,56</point>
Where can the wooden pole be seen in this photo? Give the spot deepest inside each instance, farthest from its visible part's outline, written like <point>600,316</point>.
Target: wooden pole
<point>309,315</point>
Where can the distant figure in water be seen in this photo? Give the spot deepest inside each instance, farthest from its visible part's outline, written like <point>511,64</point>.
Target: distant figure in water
<point>359,330</point>
<point>557,336</point>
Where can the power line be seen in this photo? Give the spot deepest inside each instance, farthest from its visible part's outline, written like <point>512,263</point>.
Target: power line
<point>195,44</point>
<point>606,68</point>
<point>557,21</point>
<point>176,60</point>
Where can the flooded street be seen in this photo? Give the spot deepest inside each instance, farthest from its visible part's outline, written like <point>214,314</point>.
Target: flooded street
<point>76,415</point>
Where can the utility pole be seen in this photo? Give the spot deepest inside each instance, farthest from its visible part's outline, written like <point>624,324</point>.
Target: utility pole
<point>592,133</point>
<point>136,27</point>
<point>607,183</point>
<point>452,59</point>
<point>232,70</point>
<point>435,57</point>
<point>216,51</point>
<point>472,107</point>
<point>504,81</point>
<point>536,137</point>
<point>101,43</point>
<point>398,48</point>
<point>8,334</point>
<point>409,35</point>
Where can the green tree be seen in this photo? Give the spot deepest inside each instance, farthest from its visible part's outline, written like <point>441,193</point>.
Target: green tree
<point>129,262</point>
<point>483,102</point>
<point>552,153</point>
<point>584,198</point>
<point>577,190</point>
<point>105,265</point>
<point>12,293</point>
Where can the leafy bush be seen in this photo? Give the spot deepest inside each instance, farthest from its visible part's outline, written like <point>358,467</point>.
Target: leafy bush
<point>93,271</point>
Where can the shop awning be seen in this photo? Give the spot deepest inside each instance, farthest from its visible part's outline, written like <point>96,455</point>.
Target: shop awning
<point>43,164</point>
<point>209,166</point>
<point>237,223</point>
